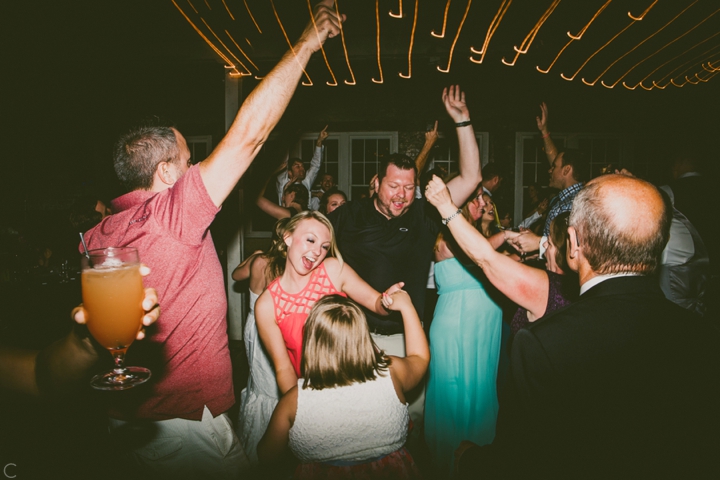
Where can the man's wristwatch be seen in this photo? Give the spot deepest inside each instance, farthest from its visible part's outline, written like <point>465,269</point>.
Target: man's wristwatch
<point>447,220</point>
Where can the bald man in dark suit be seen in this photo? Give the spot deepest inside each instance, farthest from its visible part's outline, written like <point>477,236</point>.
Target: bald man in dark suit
<point>621,384</point>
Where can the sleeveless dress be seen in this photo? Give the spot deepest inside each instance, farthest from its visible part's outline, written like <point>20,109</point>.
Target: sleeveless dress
<point>461,400</point>
<point>259,398</point>
<point>355,431</point>
<point>562,290</point>
<point>292,309</point>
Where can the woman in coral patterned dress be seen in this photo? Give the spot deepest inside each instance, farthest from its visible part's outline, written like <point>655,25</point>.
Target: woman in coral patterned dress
<point>281,311</point>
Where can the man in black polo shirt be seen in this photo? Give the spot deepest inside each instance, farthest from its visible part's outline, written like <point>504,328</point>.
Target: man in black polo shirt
<point>389,238</point>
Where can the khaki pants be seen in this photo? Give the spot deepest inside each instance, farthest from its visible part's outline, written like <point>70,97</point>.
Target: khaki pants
<point>179,448</point>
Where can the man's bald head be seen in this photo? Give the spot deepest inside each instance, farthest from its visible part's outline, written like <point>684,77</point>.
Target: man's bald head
<point>622,224</point>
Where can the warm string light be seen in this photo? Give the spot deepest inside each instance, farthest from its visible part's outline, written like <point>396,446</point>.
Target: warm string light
<point>525,45</point>
<point>241,50</point>
<point>342,38</point>
<point>377,41</point>
<point>277,17</point>
<point>247,70</point>
<point>679,76</point>
<point>596,52</point>
<point>322,49</point>
<point>229,65</point>
<point>442,34</point>
<point>457,35</point>
<point>399,14</point>
<point>412,40</point>
<point>692,61</point>
<point>663,48</point>
<point>574,37</point>
<point>642,15</point>
<point>683,73</point>
<point>633,49</point>
<point>609,42</point>
<point>491,31</point>
<point>228,10</point>
<point>252,17</point>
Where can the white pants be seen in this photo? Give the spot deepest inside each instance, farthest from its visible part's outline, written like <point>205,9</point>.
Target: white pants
<point>395,345</point>
<point>180,448</point>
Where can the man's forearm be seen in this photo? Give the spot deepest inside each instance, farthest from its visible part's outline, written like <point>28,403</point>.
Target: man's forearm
<point>423,156</point>
<point>462,186</point>
<point>550,150</point>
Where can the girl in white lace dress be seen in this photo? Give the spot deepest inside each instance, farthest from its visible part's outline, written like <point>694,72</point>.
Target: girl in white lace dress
<point>347,416</point>
<point>259,398</point>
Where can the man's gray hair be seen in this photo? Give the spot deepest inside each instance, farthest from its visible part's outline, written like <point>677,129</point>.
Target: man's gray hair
<point>138,153</point>
<point>610,249</point>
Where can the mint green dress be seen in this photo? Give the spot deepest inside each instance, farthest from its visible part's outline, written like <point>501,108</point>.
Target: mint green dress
<point>461,400</point>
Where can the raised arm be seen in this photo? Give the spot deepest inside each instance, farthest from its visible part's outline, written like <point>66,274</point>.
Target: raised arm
<point>526,286</point>
<point>462,186</point>
<point>274,210</point>
<point>431,137</point>
<point>542,124</point>
<point>264,106</point>
<point>346,279</point>
<point>312,172</point>
<point>274,343</point>
<point>409,371</point>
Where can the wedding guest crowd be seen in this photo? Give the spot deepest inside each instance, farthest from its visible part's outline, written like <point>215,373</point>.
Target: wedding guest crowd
<point>607,377</point>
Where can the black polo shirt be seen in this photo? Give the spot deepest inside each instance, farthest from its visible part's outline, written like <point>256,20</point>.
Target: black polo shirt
<point>384,252</point>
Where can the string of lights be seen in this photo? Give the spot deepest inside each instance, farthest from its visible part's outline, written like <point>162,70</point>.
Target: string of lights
<point>649,41</point>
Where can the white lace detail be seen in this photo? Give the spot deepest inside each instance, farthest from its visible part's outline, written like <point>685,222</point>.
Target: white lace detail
<point>353,423</point>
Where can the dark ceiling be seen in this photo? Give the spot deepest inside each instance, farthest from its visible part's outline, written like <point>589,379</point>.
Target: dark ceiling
<point>76,74</point>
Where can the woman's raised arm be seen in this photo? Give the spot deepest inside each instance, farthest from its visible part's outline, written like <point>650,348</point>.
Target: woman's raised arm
<point>409,371</point>
<point>526,286</point>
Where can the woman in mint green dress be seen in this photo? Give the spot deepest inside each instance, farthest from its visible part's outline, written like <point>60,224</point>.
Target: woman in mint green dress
<point>461,400</point>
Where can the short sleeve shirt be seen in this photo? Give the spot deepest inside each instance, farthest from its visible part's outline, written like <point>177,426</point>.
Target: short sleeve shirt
<point>187,348</point>
<point>386,251</point>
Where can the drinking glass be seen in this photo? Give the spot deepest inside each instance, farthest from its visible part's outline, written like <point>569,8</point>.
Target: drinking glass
<point>112,293</point>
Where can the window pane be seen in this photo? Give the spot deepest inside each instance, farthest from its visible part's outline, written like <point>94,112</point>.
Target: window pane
<point>358,150</point>
<point>529,170</point>
<point>358,173</point>
<point>529,151</point>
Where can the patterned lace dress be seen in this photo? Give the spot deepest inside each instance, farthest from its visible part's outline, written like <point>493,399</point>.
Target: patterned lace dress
<point>259,398</point>
<point>356,431</point>
<point>292,309</point>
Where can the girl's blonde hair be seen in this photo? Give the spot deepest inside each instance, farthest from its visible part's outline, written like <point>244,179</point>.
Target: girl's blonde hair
<point>337,347</point>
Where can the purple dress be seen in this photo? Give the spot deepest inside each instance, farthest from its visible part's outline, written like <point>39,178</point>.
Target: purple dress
<point>563,289</point>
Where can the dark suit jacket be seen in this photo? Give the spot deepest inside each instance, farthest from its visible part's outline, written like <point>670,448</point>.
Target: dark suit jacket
<point>622,383</point>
